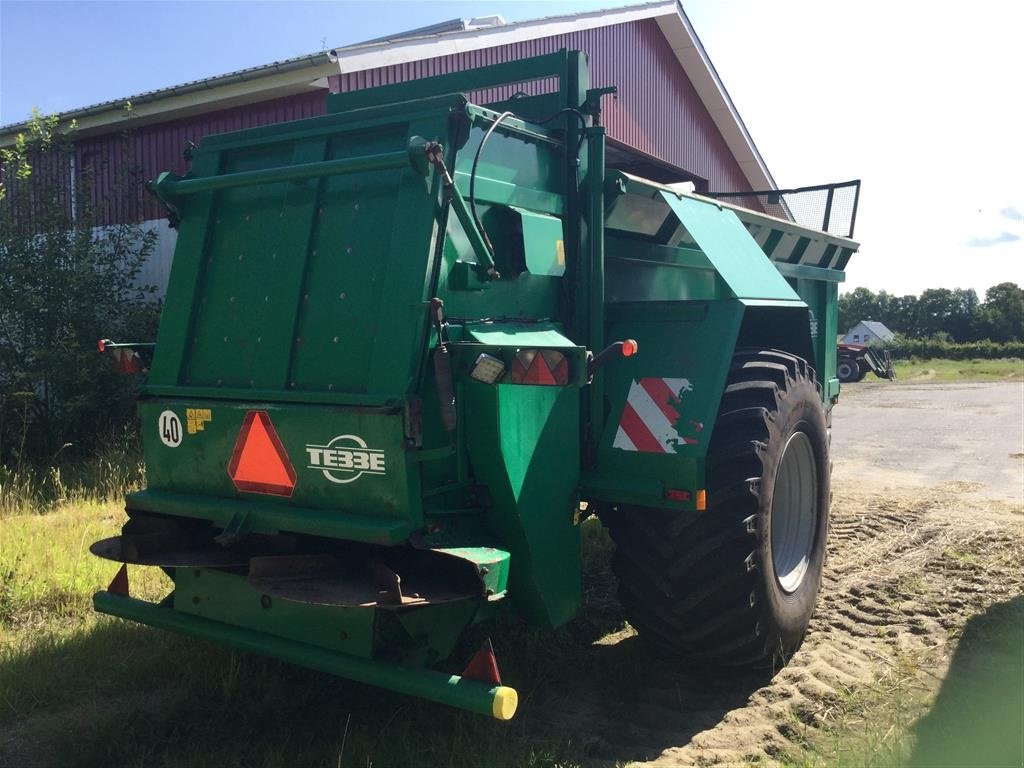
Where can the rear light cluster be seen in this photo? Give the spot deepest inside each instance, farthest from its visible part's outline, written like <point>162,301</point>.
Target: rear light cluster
<point>545,367</point>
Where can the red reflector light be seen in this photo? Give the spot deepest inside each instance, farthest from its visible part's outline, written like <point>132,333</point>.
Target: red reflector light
<point>259,463</point>
<point>629,348</point>
<point>678,494</point>
<point>545,367</point>
<point>101,345</point>
<point>483,666</point>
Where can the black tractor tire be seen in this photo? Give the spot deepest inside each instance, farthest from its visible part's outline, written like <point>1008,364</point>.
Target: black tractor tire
<point>862,371</point>
<point>737,583</point>
<point>847,370</point>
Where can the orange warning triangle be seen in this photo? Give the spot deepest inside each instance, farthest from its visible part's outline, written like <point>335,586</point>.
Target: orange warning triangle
<point>259,463</point>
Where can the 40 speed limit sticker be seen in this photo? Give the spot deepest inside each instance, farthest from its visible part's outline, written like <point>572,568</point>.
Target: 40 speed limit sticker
<point>346,458</point>
<point>169,429</point>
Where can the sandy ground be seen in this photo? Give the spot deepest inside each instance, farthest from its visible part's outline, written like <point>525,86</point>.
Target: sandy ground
<point>927,531</point>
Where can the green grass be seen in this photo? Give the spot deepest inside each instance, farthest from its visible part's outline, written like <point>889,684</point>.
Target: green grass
<point>80,689</point>
<point>106,475</point>
<point>917,371</point>
<point>872,725</point>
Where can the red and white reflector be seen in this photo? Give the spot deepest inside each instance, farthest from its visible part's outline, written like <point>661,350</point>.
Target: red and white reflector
<point>259,463</point>
<point>546,367</point>
<point>651,417</point>
<point>126,360</point>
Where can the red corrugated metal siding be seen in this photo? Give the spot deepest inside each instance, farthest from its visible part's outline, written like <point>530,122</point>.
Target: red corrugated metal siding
<point>657,110</point>
<point>154,149</point>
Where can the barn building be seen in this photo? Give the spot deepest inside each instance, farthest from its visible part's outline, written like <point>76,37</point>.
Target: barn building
<point>672,119</point>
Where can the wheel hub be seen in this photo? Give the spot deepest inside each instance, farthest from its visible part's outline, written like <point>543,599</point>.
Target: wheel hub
<point>794,512</point>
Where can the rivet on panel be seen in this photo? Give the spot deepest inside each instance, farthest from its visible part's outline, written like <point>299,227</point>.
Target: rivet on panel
<point>225,339</point>
<point>355,207</point>
<point>349,249</point>
<point>241,256</point>
<point>341,295</point>
<point>219,382</point>
<point>314,253</point>
<point>266,299</point>
<point>335,339</point>
<point>259,339</point>
<point>231,300</point>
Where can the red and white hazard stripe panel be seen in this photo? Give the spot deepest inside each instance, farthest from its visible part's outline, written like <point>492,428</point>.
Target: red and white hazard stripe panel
<point>653,408</point>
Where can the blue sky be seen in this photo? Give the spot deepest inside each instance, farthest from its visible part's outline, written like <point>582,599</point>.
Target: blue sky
<point>921,103</point>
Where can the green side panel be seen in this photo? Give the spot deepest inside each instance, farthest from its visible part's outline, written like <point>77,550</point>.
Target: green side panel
<point>735,255</point>
<point>543,243</point>
<point>414,636</point>
<point>305,256</point>
<point>662,402</point>
<point>523,445</point>
<point>822,297</point>
<point>228,598</point>
<point>352,461</point>
<point>642,271</point>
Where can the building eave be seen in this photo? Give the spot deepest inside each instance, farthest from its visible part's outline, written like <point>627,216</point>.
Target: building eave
<point>283,78</point>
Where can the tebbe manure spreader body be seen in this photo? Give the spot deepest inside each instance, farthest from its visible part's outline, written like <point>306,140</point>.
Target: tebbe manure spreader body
<point>409,344</point>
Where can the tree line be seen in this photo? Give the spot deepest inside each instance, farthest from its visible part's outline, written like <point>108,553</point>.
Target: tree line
<point>955,315</point>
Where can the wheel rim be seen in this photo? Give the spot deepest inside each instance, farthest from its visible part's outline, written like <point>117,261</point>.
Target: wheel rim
<point>794,512</point>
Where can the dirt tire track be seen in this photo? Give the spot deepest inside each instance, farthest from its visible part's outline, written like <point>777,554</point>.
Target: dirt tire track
<point>906,569</point>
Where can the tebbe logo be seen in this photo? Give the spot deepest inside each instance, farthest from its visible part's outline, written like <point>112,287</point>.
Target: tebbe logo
<point>346,458</point>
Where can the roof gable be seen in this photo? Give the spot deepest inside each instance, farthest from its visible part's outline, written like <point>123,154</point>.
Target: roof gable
<point>309,72</point>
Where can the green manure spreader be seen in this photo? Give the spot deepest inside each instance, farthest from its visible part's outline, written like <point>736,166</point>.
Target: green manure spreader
<point>410,344</point>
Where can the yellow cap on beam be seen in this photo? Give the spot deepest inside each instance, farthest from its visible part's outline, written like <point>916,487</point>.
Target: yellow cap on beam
<point>503,707</point>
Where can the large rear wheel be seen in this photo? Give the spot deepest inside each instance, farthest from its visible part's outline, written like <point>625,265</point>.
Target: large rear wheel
<point>738,583</point>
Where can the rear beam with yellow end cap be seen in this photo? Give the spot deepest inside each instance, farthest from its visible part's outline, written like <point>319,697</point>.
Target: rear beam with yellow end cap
<point>498,701</point>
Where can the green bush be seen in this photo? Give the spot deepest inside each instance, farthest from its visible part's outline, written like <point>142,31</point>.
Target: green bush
<point>939,347</point>
<point>66,282</point>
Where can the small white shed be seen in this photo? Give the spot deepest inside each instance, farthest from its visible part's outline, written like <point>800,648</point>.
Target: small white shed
<point>868,331</point>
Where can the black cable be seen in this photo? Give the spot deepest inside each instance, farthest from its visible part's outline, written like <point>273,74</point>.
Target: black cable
<point>480,148</point>
<point>472,180</point>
